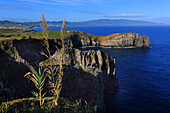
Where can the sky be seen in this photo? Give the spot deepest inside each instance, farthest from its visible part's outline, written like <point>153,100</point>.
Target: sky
<point>83,10</point>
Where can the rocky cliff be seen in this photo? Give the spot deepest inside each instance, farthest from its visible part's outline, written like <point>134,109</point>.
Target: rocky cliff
<point>125,40</point>
<point>24,50</point>
<point>79,39</point>
<point>88,75</point>
<point>13,84</point>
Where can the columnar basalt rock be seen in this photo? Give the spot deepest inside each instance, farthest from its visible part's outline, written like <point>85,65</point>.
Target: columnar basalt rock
<point>88,75</point>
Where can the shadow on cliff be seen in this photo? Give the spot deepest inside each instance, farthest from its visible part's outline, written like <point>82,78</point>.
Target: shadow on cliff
<point>77,84</point>
<point>13,84</point>
<point>95,90</point>
<point>31,49</point>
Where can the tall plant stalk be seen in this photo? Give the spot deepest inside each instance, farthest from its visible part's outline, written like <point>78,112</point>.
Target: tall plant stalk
<point>55,77</point>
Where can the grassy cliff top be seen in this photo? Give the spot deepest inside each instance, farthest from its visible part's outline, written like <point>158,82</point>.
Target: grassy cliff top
<point>11,34</point>
<point>113,36</point>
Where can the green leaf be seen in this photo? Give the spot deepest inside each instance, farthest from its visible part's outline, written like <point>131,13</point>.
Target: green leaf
<point>33,80</point>
<point>49,72</point>
<point>35,73</point>
<point>34,76</point>
<point>39,69</point>
<point>50,77</point>
<point>35,94</point>
<point>43,94</point>
<point>42,82</point>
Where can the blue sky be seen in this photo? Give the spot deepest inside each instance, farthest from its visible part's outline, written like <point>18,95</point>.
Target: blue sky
<point>82,10</point>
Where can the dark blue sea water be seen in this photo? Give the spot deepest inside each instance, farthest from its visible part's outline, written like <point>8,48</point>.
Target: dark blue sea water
<point>143,74</point>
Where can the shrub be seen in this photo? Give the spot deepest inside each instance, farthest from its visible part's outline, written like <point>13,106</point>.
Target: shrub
<point>24,37</point>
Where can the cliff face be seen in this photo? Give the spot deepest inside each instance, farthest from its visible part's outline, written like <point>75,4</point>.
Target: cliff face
<point>125,40</point>
<point>79,39</point>
<point>25,50</point>
<point>12,81</point>
<point>143,41</point>
<point>88,75</point>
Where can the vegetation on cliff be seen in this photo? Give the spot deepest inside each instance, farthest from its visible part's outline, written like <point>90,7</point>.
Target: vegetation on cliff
<point>55,67</point>
<point>47,79</point>
<point>79,38</point>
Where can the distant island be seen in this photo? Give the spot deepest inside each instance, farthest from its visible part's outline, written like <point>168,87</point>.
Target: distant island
<point>100,22</point>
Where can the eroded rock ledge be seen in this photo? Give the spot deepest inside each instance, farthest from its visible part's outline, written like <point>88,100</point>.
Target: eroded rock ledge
<point>79,39</point>
<point>125,40</point>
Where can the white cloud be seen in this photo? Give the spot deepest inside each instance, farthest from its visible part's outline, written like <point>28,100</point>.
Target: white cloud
<point>19,8</point>
<point>24,19</point>
<point>126,15</point>
<point>90,12</point>
<point>63,2</point>
<point>40,2</point>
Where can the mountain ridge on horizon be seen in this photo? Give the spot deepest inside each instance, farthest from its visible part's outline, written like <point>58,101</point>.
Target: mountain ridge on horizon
<point>97,22</point>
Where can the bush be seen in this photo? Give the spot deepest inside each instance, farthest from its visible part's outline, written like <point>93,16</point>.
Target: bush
<point>24,37</point>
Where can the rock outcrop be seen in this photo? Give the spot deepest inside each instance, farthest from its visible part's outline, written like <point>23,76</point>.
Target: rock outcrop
<point>143,41</point>
<point>125,40</point>
<point>88,75</point>
<point>79,39</point>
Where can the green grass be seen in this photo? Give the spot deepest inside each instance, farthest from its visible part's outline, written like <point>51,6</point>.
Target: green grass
<point>27,105</point>
<point>52,34</point>
<point>19,34</point>
<point>11,34</point>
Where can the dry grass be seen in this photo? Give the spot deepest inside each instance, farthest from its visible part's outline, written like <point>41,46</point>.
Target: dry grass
<point>103,38</point>
<point>55,77</point>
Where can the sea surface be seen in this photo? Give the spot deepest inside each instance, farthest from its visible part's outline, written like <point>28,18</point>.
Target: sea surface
<point>143,74</point>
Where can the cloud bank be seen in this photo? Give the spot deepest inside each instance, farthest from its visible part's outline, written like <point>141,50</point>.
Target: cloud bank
<point>125,16</point>
<point>19,8</point>
<point>63,2</point>
<point>17,19</point>
<point>90,12</point>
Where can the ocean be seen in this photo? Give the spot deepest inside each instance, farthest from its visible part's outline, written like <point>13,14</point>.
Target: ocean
<point>143,74</point>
